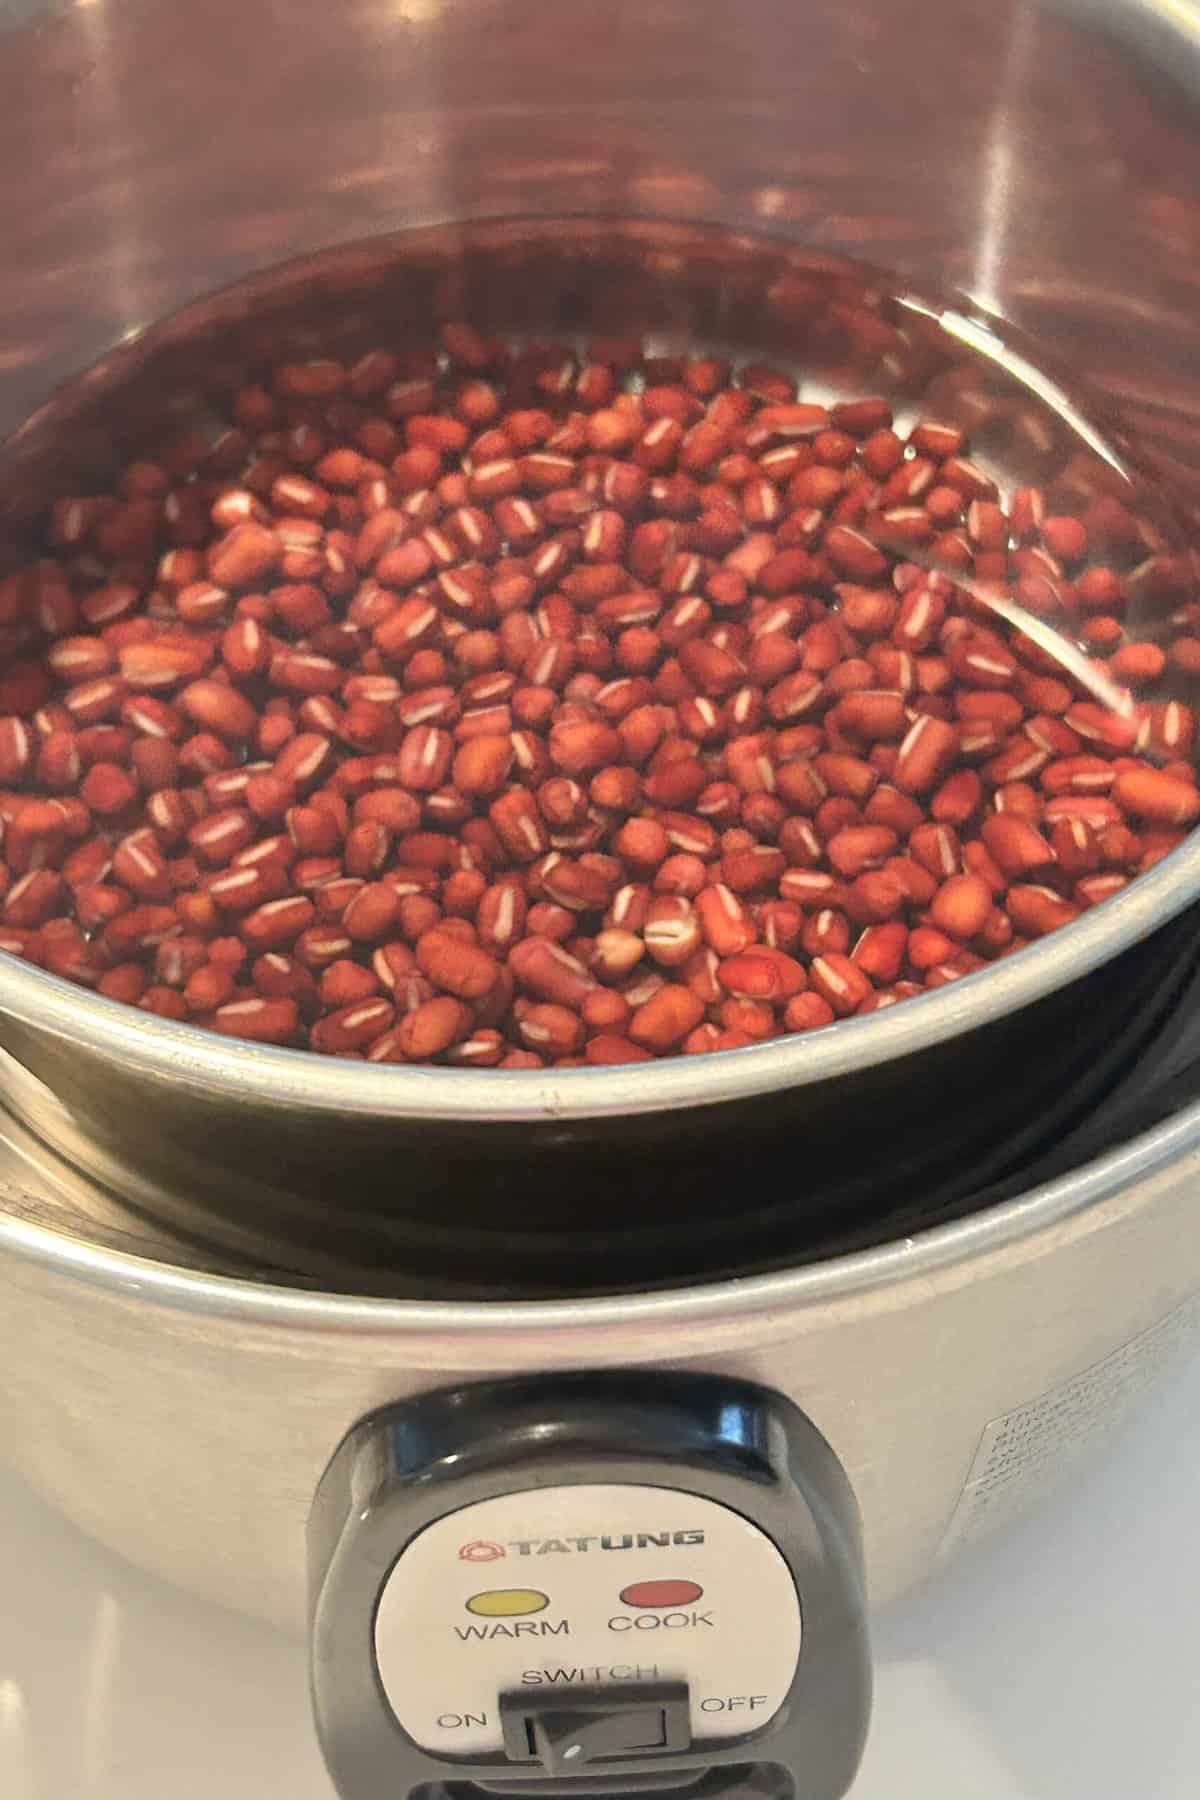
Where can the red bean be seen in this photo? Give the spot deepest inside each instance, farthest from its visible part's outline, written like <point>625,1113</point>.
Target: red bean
<point>265,1021</point>
<point>961,906</point>
<point>1155,796</point>
<point>840,982</point>
<point>665,1018</point>
<point>1017,846</point>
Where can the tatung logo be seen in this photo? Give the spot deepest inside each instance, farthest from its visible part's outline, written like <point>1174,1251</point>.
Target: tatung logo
<point>482,1550</point>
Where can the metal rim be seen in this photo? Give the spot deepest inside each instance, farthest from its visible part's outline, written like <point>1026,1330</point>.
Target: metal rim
<point>232,1069</point>
<point>553,1327</point>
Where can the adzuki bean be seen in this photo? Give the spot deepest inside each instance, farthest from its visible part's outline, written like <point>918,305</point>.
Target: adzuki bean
<point>518,710</point>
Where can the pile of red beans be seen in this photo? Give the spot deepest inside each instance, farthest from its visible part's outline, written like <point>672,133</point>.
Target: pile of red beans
<point>524,708</point>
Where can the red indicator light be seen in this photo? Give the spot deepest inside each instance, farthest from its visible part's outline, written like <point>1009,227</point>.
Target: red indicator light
<point>661,1593</point>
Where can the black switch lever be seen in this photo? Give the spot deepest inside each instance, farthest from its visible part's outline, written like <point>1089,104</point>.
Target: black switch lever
<point>569,1734</point>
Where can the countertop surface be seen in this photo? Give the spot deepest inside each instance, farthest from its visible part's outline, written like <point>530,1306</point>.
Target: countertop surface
<point>1056,1662</point>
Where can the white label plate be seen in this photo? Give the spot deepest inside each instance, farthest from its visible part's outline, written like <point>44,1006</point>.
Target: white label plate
<point>545,1590</point>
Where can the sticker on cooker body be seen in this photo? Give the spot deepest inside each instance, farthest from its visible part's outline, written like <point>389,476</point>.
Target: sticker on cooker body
<point>585,1587</point>
<point>1037,1443</point>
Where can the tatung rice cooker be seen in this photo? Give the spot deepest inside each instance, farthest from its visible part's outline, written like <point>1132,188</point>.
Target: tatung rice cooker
<point>580,1416</point>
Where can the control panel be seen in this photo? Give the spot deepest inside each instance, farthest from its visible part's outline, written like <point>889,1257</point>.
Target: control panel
<point>545,1591</point>
<point>591,1584</point>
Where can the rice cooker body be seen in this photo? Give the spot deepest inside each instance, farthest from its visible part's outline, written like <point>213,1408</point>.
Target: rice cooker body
<point>187,1419</point>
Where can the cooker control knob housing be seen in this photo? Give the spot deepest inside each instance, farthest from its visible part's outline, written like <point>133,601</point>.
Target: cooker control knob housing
<point>596,1583</point>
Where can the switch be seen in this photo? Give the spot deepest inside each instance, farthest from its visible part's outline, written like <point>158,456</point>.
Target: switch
<point>569,1734</point>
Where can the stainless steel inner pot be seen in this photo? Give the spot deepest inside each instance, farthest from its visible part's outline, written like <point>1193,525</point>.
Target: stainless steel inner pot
<point>1041,160</point>
<point>336,1171</point>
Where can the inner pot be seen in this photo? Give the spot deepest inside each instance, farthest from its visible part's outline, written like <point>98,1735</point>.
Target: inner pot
<point>570,1180</point>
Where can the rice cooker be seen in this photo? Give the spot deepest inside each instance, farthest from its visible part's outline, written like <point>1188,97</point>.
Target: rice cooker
<point>580,1417</point>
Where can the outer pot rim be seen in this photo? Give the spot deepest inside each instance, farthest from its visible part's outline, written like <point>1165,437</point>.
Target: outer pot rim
<point>232,1070</point>
<point>554,1328</point>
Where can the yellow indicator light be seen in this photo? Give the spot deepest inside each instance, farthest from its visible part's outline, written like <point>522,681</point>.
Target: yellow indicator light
<point>507,1603</point>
